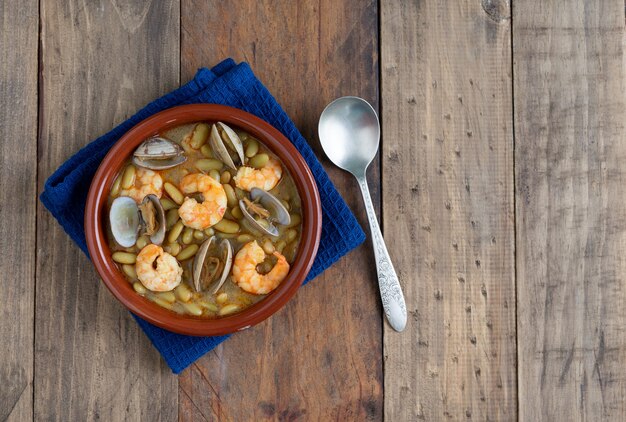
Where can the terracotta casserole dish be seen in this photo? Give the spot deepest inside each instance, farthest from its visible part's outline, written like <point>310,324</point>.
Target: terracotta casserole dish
<point>96,219</point>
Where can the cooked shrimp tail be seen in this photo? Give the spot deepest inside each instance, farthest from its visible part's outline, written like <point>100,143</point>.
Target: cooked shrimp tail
<point>147,182</point>
<point>166,275</point>
<point>210,211</point>
<point>265,178</point>
<point>245,273</point>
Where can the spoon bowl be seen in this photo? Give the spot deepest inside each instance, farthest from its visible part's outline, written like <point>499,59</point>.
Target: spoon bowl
<point>350,133</point>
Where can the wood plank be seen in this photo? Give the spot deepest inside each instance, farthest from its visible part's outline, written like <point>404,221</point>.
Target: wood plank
<point>19,29</point>
<point>570,153</point>
<point>448,209</point>
<point>100,62</point>
<point>320,357</point>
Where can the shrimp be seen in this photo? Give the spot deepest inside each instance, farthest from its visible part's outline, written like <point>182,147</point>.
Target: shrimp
<point>196,138</point>
<point>163,277</point>
<point>146,182</point>
<point>210,211</point>
<point>265,178</point>
<point>246,276</point>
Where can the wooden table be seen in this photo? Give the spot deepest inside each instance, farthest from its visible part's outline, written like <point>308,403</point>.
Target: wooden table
<point>500,187</point>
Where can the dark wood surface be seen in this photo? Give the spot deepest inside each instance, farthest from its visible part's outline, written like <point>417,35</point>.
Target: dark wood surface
<point>499,186</point>
<point>448,189</point>
<point>18,204</point>
<point>570,111</point>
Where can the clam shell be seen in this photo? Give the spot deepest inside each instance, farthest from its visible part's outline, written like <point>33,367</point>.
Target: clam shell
<point>157,148</point>
<point>233,140</point>
<point>278,213</point>
<point>218,144</point>
<point>125,221</point>
<point>159,235</point>
<point>272,204</point>
<point>159,154</point>
<point>270,229</point>
<point>160,164</point>
<point>225,252</point>
<point>219,149</point>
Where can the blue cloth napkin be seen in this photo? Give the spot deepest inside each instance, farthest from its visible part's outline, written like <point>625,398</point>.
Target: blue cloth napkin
<point>228,83</point>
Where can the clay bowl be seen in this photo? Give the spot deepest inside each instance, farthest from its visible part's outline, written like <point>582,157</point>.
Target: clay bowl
<point>96,215</point>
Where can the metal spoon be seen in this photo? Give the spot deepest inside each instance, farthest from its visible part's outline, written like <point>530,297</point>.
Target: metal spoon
<point>350,132</point>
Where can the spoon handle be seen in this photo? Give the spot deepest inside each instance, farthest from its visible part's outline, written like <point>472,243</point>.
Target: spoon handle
<point>388,283</point>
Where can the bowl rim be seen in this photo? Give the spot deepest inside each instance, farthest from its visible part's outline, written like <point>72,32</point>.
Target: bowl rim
<point>110,166</point>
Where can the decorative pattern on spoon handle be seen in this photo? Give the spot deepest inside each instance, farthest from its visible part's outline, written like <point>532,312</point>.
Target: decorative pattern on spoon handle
<point>389,285</point>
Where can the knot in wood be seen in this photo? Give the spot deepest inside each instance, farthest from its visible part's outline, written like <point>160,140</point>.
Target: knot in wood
<point>497,10</point>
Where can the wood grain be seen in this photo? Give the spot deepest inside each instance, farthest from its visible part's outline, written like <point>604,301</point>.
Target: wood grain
<point>448,73</point>
<point>570,111</point>
<point>448,209</point>
<point>100,61</point>
<point>18,148</point>
<point>320,357</point>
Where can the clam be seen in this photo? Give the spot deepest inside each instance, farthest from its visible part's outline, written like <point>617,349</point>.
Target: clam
<point>128,220</point>
<point>153,218</point>
<point>211,265</point>
<point>159,154</point>
<point>221,137</point>
<point>124,220</point>
<point>263,210</point>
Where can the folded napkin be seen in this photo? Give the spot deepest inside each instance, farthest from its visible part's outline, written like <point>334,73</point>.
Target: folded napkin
<point>65,192</point>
